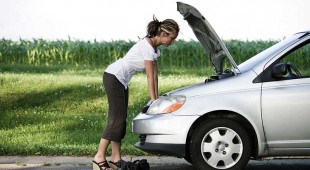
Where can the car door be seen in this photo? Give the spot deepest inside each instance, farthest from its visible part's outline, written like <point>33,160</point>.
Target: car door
<point>285,101</point>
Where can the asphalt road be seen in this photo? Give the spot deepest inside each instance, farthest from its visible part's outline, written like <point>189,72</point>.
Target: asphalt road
<point>156,163</point>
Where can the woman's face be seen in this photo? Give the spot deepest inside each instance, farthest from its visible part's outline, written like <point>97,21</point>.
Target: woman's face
<point>168,39</point>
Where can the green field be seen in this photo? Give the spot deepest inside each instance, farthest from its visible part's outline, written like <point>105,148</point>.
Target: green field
<point>61,110</point>
<point>181,54</point>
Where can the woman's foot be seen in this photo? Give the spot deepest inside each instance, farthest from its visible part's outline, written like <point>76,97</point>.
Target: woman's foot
<point>101,165</point>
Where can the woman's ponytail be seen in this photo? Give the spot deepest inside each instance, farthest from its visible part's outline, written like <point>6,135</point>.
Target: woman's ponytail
<point>155,27</point>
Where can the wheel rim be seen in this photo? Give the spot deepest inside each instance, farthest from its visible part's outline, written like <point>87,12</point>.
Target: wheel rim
<point>221,148</point>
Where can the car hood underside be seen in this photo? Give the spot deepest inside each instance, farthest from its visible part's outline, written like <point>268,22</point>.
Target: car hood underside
<point>204,32</point>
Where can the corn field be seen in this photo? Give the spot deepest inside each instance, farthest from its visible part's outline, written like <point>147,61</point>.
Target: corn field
<point>181,54</point>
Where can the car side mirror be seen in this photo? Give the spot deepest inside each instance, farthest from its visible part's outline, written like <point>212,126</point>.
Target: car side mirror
<point>279,70</point>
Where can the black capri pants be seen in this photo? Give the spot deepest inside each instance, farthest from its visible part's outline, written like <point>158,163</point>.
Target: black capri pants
<point>115,129</point>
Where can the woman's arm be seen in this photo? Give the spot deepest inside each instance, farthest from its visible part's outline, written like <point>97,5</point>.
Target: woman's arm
<point>156,78</point>
<point>152,78</point>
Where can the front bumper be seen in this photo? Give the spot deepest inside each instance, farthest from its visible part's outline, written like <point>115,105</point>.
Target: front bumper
<point>177,150</point>
<point>164,134</point>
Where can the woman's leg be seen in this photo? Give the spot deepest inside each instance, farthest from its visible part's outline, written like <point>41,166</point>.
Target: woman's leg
<point>116,126</point>
<point>116,146</point>
<point>116,151</point>
<point>102,150</point>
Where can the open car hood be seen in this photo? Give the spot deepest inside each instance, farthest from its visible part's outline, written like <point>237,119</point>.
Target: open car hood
<point>204,32</point>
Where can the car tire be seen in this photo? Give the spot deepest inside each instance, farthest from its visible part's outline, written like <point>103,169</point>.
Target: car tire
<point>220,144</point>
<point>188,159</point>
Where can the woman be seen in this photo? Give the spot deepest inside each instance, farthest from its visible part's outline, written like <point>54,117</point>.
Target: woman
<point>142,56</point>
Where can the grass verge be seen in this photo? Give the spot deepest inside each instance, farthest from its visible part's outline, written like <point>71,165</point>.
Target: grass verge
<point>62,110</point>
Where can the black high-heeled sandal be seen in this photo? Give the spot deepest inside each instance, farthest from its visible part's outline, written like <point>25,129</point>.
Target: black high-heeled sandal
<point>101,165</point>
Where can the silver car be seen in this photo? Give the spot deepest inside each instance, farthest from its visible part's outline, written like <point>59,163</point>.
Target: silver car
<point>257,109</point>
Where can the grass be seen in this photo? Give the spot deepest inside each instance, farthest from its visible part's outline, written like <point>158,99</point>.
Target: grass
<point>61,110</point>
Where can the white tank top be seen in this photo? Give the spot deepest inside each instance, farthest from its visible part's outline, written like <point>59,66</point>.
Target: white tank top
<point>133,61</point>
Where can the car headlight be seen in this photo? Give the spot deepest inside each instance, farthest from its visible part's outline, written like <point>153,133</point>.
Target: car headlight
<point>166,104</point>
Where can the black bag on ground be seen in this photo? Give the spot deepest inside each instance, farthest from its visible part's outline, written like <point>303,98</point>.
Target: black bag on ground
<point>141,164</point>
<point>128,166</point>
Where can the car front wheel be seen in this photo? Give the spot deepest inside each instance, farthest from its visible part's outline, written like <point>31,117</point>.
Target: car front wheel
<point>220,144</point>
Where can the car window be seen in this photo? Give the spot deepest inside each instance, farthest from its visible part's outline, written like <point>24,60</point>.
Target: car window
<point>299,61</point>
<point>295,64</point>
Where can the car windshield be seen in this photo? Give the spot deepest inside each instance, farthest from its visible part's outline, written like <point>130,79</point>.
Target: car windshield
<point>252,62</point>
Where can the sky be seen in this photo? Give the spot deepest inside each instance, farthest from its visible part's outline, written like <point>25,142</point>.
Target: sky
<point>109,20</point>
